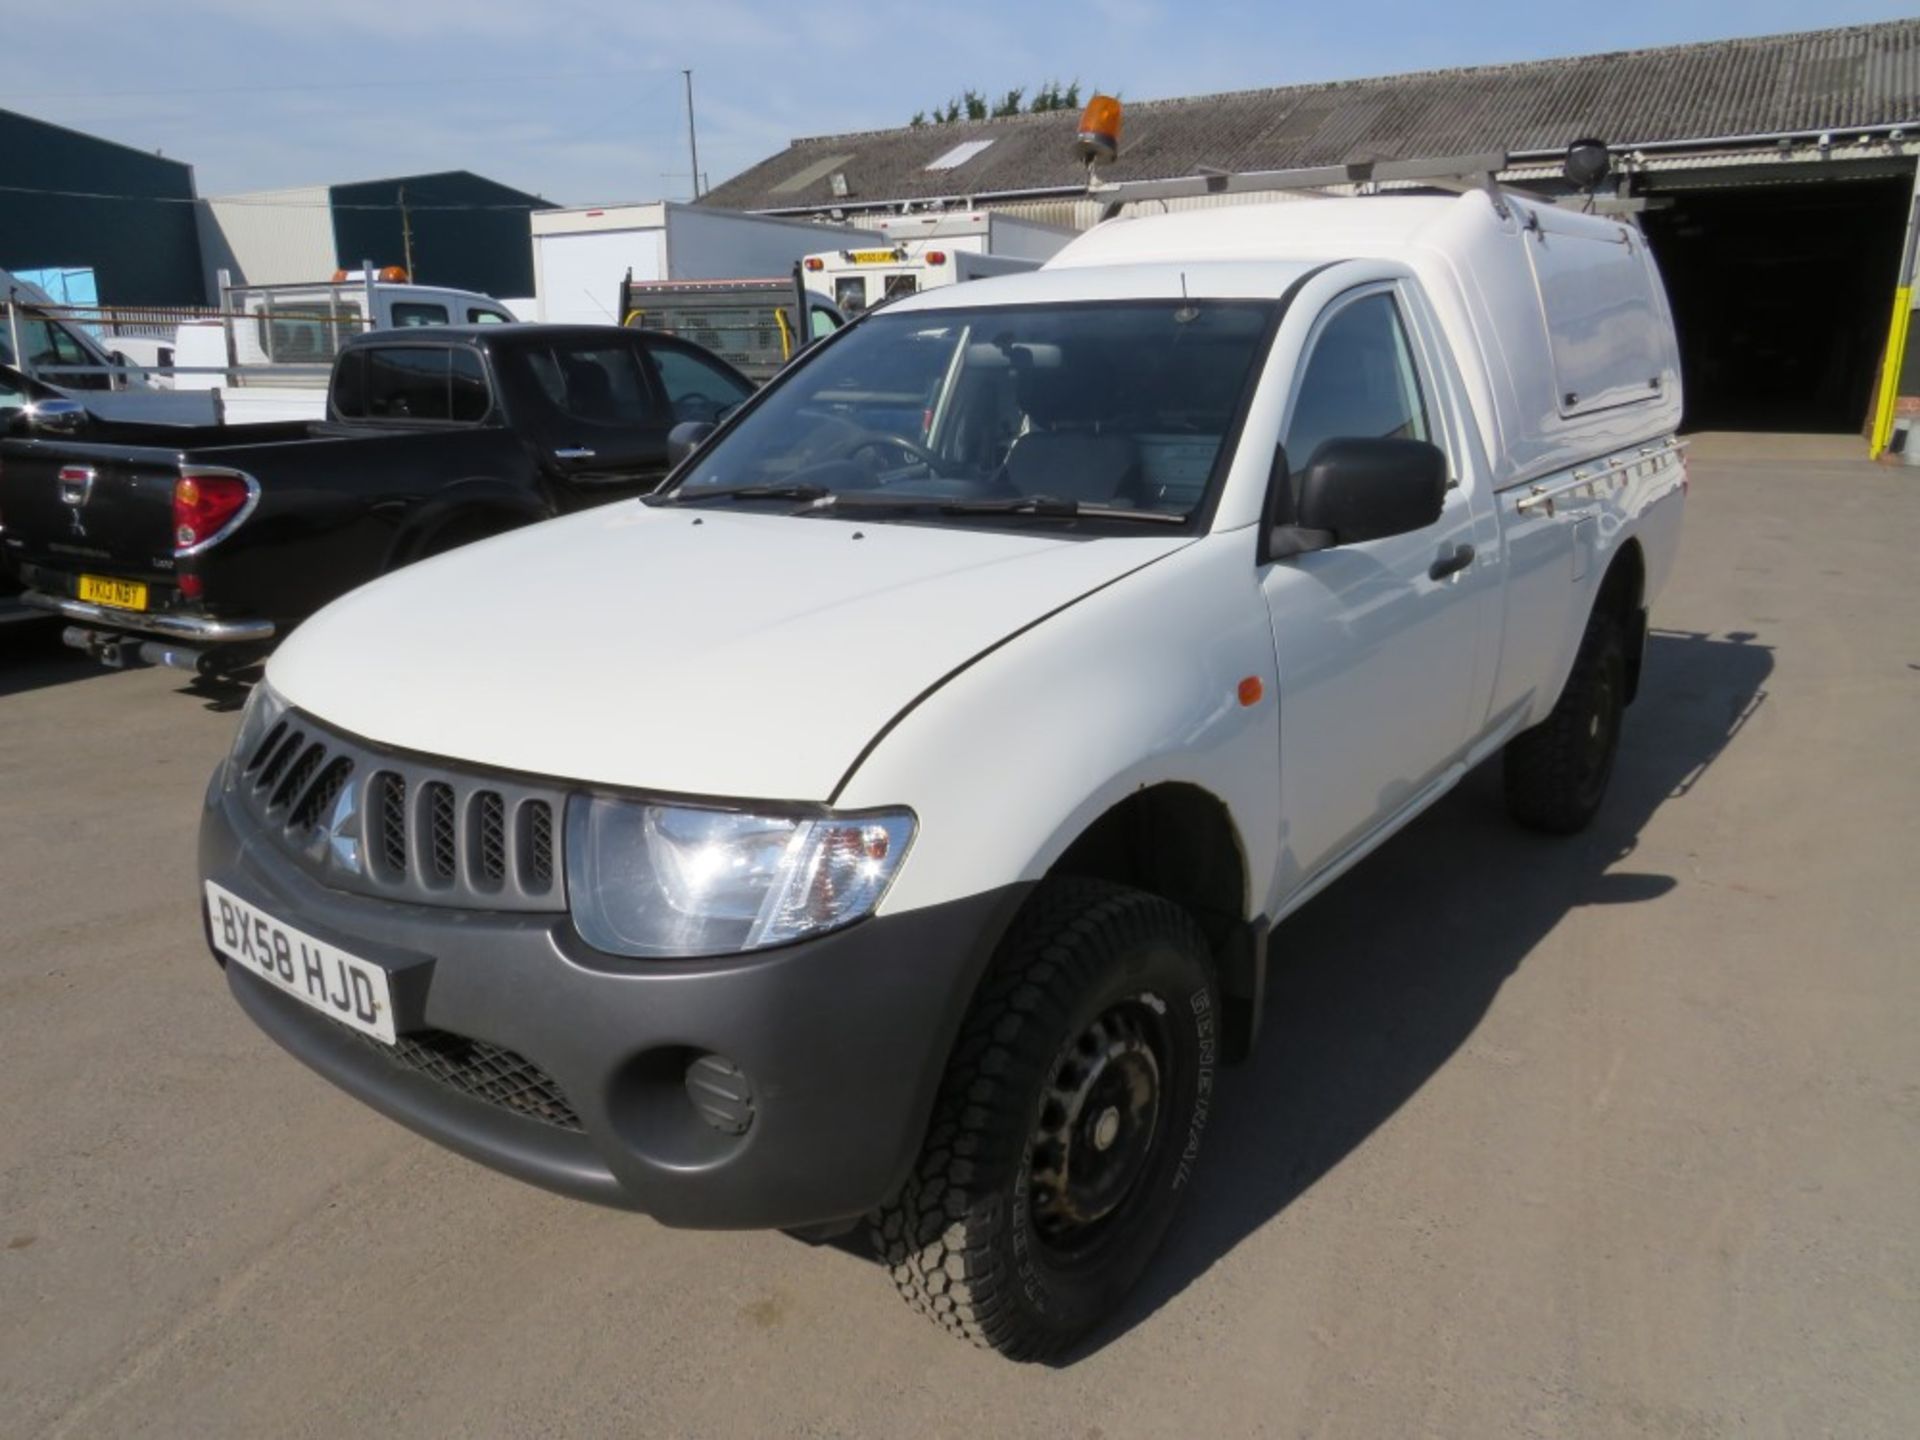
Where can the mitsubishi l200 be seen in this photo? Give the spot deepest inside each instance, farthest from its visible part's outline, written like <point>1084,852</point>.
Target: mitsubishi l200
<point>888,821</point>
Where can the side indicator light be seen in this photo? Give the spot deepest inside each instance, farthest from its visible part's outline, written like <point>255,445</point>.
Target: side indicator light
<point>1251,690</point>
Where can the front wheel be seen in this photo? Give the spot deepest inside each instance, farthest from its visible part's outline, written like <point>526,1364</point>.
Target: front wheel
<point>1067,1124</point>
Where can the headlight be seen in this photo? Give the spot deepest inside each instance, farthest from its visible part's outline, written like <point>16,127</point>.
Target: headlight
<point>669,880</point>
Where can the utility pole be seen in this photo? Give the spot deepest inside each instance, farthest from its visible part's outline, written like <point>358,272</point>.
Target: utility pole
<point>406,233</point>
<point>693,145</point>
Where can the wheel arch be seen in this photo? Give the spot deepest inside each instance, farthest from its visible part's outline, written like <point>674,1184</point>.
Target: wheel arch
<point>477,503</point>
<point>1178,840</point>
<point>1623,592</point>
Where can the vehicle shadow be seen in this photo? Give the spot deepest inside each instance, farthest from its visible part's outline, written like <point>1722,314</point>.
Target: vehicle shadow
<point>222,694</point>
<point>1376,983</point>
<point>32,658</point>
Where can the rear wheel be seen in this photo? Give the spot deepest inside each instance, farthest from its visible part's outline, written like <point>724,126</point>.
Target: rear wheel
<point>1556,774</point>
<point>1067,1124</point>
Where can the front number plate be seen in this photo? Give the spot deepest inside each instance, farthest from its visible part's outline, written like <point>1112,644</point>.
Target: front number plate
<point>353,991</point>
<point>120,594</point>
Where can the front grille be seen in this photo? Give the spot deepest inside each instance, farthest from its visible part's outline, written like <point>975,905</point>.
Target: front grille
<point>383,824</point>
<point>482,1070</point>
<point>441,853</point>
<point>539,841</point>
<point>490,827</point>
<point>387,812</point>
<point>323,792</point>
<point>299,775</point>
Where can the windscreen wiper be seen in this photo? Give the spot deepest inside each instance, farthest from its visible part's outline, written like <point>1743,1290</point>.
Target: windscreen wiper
<point>687,494</point>
<point>1046,507</point>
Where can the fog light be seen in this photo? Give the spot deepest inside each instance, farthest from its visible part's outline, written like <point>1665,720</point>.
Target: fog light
<point>721,1093</point>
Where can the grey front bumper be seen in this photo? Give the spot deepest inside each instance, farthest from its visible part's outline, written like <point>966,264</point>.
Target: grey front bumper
<point>151,622</point>
<point>842,1041</point>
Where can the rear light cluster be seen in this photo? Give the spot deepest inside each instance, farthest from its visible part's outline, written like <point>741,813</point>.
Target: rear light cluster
<point>206,504</point>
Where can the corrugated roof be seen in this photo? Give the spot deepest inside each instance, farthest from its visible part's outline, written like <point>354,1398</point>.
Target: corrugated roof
<point>1842,79</point>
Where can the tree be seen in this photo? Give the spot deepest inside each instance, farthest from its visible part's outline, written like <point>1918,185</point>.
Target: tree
<point>973,105</point>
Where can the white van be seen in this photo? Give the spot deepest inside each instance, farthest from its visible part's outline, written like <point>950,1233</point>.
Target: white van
<point>885,822</point>
<point>43,341</point>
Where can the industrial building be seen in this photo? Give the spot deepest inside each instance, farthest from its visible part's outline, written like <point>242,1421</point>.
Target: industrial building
<point>1777,174</point>
<point>452,228</point>
<point>70,201</point>
<point>131,225</point>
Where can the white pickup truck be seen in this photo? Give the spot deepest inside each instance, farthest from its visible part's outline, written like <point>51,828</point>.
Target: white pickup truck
<point>887,819</point>
<point>268,355</point>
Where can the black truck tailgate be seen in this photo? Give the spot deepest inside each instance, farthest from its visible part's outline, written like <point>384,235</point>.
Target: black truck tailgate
<point>102,509</point>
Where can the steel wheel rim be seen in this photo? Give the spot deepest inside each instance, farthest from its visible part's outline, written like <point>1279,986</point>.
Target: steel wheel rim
<point>1099,1126</point>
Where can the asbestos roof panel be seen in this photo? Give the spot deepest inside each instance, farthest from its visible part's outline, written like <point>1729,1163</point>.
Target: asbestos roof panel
<point>1814,80</point>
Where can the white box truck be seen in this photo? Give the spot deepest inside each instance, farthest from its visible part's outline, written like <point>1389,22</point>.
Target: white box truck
<point>581,255</point>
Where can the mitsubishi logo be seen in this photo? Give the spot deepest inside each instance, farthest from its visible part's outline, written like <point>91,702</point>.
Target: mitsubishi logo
<point>76,485</point>
<point>76,488</point>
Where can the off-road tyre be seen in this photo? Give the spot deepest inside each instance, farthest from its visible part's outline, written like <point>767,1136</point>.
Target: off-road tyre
<point>988,1237</point>
<point>1556,774</point>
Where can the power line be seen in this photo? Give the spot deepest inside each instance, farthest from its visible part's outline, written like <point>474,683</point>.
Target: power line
<point>410,82</point>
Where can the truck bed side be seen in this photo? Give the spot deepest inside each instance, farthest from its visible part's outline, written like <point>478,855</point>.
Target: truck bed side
<point>331,504</point>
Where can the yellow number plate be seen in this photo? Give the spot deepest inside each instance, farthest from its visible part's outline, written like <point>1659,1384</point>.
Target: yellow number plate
<point>874,257</point>
<point>120,594</point>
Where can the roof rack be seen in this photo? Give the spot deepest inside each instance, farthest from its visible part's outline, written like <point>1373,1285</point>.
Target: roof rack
<point>1452,172</point>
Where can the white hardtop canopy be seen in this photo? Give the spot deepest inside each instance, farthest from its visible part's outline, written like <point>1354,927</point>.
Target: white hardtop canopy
<point>1557,319</point>
<point>1050,284</point>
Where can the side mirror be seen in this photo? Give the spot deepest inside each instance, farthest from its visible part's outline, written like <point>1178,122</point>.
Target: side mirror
<point>685,438</point>
<point>1356,490</point>
<point>56,417</point>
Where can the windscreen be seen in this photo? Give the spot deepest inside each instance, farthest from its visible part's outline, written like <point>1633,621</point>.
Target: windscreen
<point>1124,405</point>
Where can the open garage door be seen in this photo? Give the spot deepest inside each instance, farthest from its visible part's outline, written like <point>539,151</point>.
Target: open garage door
<point>1781,293</point>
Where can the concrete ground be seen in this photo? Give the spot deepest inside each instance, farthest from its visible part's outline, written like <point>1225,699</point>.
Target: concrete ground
<point>1617,1136</point>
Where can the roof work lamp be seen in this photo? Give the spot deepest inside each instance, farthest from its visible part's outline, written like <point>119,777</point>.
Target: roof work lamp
<point>1099,137</point>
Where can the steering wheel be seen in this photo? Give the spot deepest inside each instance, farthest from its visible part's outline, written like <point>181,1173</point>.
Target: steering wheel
<point>695,406</point>
<point>875,439</point>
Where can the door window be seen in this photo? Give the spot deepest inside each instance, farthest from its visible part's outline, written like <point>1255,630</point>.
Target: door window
<point>468,398</point>
<point>597,382</point>
<point>477,316</point>
<point>1360,382</point>
<point>416,312</point>
<point>697,389</point>
<point>850,293</point>
<point>902,285</point>
<point>426,382</point>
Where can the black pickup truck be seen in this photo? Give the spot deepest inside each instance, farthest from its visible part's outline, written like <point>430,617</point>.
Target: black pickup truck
<point>198,546</point>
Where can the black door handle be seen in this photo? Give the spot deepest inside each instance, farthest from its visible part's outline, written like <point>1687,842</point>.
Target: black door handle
<point>1461,558</point>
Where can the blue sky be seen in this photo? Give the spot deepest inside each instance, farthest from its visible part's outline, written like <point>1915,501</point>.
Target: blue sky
<point>581,101</point>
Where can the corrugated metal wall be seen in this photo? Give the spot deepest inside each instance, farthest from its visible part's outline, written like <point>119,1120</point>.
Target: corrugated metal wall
<point>467,231</point>
<point>269,237</point>
<point>140,241</point>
